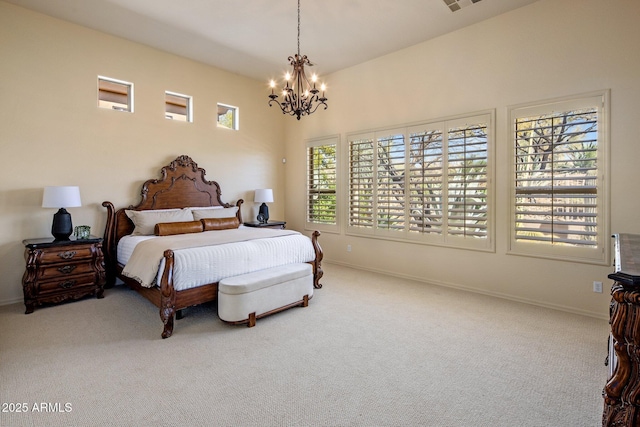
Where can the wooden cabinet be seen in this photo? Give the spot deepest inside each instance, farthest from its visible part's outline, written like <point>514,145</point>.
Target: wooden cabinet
<point>280,225</point>
<point>59,271</point>
<point>622,391</point>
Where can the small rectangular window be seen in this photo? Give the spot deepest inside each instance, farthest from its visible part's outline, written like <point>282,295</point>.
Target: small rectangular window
<point>228,117</point>
<point>178,107</point>
<point>115,94</point>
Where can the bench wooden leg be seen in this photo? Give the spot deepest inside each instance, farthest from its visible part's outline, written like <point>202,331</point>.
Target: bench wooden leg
<point>305,301</point>
<point>252,320</point>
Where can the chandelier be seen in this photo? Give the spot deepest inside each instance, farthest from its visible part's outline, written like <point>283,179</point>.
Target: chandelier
<point>299,96</point>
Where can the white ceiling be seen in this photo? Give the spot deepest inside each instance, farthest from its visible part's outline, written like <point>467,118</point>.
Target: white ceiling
<point>254,37</point>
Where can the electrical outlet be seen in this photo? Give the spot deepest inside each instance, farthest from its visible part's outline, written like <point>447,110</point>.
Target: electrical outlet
<point>597,287</point>
<point>348,248</point>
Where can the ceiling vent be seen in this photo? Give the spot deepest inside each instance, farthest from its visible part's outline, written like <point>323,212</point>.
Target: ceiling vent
<point>455,5</point>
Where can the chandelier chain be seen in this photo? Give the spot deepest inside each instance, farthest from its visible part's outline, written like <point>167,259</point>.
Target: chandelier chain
<point>298,27</point>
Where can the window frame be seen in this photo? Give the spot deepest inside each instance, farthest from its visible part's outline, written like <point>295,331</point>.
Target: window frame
<point>600,254</point>
<point>446,239</point>
<point>310,144</point>
<point>129,95</point>
<point>235,119</point>
<point>188,115</point>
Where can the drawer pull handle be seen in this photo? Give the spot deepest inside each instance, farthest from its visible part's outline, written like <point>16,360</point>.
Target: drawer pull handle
<point>67,284</point>
<point>66,269</point>
<point>67,254</point>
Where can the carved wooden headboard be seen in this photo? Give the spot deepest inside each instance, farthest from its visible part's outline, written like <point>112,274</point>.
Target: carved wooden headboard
<point>182,184</point>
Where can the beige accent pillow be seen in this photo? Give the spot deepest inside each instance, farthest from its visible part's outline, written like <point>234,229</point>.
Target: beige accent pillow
<point>220,223</point>
<point>171,228</point>
<point>199,214</point>
<point>145,221</point>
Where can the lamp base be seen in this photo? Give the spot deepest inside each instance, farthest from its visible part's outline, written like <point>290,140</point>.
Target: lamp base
<point>62,227</point>
<point>263,213</point>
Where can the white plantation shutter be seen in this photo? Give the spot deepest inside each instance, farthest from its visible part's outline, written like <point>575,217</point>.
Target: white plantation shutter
<point>423,183</point>
<point>467,151</point>
<point>559,205</point>
<point>390,200</point>
<point>426,180</point>
<point>321,184</point>
<point>361,183</point>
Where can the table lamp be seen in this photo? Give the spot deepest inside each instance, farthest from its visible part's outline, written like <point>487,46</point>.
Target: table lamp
<point>264,196</point>
<point>61,197</point>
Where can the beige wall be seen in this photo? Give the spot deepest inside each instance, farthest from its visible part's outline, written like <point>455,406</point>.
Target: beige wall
<point>52,133</point>
<point>548,49</point>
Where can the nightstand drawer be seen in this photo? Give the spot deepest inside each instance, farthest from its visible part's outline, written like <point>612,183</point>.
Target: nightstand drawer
<point>66,284</point>
<point>61,270</point>
<point>65,254</point>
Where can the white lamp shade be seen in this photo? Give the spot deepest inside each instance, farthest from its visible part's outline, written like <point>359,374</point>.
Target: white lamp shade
<point>61,197</point>
<point>263,195</point>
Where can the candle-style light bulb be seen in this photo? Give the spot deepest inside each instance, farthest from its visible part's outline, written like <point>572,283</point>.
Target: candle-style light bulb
<point>273,85</point>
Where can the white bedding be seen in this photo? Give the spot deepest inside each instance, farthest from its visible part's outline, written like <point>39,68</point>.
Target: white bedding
<point>209,264</point>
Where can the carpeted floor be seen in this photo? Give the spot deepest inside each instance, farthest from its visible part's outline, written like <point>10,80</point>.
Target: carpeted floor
<point>370,350</point>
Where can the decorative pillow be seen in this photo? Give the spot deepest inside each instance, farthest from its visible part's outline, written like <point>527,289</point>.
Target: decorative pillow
<point>210,224</point>
<point>215,213</point>
<point>145,221</point>
<point>184,227</point>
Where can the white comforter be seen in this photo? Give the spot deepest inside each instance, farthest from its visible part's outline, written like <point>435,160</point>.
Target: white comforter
<point>227,253</point>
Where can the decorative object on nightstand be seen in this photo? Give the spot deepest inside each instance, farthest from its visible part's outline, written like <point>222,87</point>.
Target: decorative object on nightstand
<point>264,196</point>
<point>82,232</point>
<point>61,197</point>
<point>62,270</point>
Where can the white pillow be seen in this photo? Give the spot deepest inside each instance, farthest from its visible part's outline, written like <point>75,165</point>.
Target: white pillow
<point>198,214</point>
<point>145,221</point>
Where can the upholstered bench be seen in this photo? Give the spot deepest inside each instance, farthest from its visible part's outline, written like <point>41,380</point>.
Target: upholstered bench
<point>245,298</point>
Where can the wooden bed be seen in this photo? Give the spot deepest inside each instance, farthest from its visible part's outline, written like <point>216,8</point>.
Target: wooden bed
<point>182,184</point>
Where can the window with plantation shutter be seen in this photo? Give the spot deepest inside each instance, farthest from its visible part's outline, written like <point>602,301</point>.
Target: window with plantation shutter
<point>426,179</point>
<point>559,198</point>
<point>425,183</point>
<point>321,183</point>
<point>467,180</point>
<point>361,184</point>
<point>390,182</point>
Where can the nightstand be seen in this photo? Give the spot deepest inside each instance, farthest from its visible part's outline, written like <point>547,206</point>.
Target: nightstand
<point>62,270</point>
<point>269,224</point>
